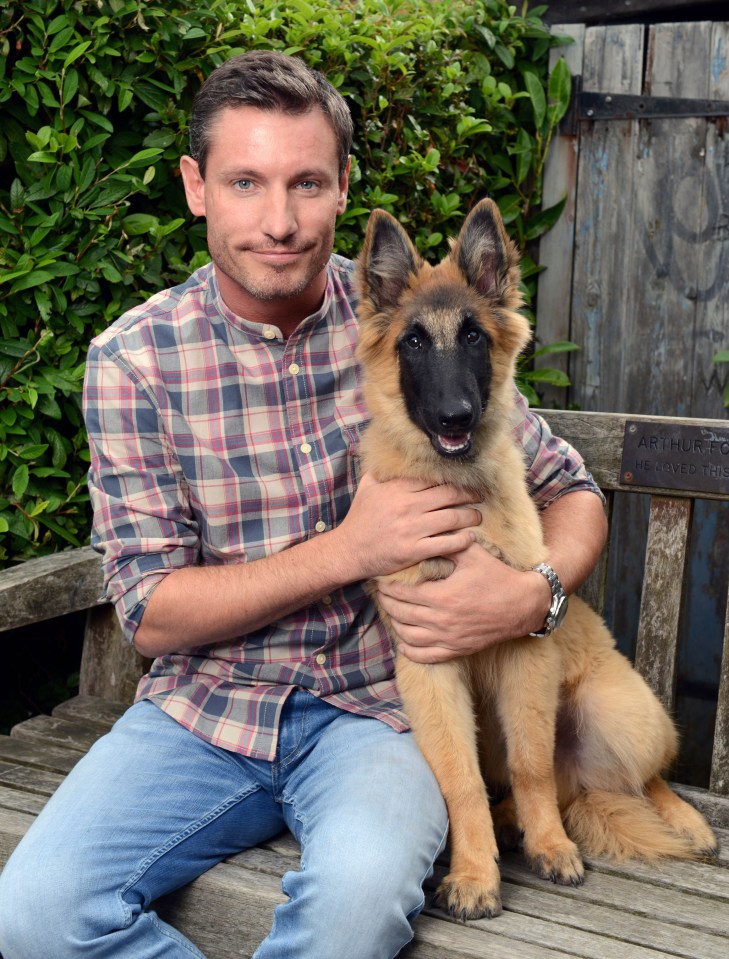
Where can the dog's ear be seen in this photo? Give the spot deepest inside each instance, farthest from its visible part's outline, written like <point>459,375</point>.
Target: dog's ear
<point>386,262</point>
<point>485,254</point>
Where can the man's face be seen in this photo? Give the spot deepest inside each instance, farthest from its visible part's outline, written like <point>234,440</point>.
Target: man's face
<point>271,195</point>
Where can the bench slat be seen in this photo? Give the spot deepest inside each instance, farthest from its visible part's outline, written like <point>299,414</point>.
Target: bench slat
<point>599,438</point>
<point>660,607</point>
<point>632,897</point>
<point>58,732</point>
<point>668,939</point>
<point>719,782</point>
<point>28,779</point>
<point>39,756</point>
<point>92,710</point>
<point>50,586</point>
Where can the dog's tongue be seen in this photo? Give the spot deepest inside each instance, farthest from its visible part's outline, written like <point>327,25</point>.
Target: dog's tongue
<point>453,443</point>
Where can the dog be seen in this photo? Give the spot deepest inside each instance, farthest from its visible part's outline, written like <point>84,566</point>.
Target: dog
<point>563,723</point>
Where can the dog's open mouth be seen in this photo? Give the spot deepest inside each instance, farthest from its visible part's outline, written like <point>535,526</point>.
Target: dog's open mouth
<point>455,444</point>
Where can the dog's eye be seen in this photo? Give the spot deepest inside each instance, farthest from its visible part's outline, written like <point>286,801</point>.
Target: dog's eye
<point>414,341</point>
<point>473,336</point>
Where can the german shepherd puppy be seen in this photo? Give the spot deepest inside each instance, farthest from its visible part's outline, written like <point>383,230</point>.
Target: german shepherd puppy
<point>564,722</point>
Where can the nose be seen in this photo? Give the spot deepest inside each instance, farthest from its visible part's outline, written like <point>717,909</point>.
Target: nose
<point>456,417</point>
<point>279,219</point>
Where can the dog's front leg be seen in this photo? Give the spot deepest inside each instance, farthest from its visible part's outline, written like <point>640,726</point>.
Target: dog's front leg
<point>439,706</point>
<point>527,702</point>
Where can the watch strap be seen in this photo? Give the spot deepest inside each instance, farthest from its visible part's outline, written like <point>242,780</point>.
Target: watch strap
<point>558,598</point>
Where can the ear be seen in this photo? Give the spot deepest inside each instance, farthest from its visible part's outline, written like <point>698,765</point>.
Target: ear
<point>386,262</point>
<point>485,254</point>
<point>194,185</point>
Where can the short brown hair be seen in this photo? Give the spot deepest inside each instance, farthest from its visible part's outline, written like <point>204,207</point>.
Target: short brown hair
<point>267,80</point>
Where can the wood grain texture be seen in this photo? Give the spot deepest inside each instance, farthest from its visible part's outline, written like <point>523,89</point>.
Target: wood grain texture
<point>50,586</point>
<point>623,911</point>
<point>719,782</point>
<point>110,666</point>
<point>555,247</point>
<point>601,296</point>
<point>660,607</point>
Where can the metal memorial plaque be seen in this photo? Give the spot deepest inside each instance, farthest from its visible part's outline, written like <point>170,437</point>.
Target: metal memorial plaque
<point>675,457</point>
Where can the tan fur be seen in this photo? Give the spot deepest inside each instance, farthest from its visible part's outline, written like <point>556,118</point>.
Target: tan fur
<point>565,722</point>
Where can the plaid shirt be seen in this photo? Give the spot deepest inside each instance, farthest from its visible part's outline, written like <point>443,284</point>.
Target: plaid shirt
<point>215,440</point>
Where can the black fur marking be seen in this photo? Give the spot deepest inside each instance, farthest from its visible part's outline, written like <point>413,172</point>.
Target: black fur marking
<point>446,389</point>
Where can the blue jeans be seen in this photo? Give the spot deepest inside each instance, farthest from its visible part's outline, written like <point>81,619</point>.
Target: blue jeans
<point>151,807</point>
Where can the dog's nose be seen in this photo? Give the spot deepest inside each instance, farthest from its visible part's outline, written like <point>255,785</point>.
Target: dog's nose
<point>456,418</point>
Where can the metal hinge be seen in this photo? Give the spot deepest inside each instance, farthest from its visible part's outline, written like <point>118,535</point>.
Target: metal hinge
<point>588,107</point>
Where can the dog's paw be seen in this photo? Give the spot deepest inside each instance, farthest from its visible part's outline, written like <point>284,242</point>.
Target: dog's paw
<point>694,827</point>
<point>468,898</point>
<point>562,865</point>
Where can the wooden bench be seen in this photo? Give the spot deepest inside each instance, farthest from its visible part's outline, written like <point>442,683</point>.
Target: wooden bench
<point>633,911</point>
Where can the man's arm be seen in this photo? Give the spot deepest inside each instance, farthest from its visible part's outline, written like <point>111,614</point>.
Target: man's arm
<point>484,601</point>
<point>389,526</point>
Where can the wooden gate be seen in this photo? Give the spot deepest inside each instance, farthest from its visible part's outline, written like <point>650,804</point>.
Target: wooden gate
<point>638,276</point>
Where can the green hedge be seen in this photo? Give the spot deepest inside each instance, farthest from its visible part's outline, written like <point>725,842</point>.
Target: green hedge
<point>450,100</point>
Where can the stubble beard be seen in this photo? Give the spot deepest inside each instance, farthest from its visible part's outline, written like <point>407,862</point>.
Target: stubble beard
<point>274,283</point>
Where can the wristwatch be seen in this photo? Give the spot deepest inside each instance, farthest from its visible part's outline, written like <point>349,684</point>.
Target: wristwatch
<point>558,609</point>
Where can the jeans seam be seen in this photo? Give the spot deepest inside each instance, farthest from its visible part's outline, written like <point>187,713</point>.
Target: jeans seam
<point>180,837</point>
<point>293,753</point>
<point>177,939</point>
<point>428,872</point>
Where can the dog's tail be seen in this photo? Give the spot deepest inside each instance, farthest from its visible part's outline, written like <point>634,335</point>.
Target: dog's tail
<point>622,826</point>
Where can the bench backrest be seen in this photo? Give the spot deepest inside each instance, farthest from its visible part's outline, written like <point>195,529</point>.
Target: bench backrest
<point>676,462</point>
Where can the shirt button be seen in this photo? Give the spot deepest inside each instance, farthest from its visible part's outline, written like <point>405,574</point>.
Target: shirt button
<point>294,369</point>
<point>327,600</point>
<point>320,526</point>
<point>321,659</point>
<point>305,447</point>
<point>269,333</point>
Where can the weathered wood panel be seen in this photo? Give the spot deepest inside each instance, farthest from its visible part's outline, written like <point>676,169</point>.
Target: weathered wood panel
<point>50,586</point>
<point>54,731</point>
<point>555,248</point>
<point>719,782</point>
<point>650,307</point>
<point>110,665</point>
<point>660,607</point>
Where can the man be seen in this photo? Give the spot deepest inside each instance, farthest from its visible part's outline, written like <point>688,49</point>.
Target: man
<point>223,419</point>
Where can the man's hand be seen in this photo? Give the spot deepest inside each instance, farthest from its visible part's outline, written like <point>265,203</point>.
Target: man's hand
<point>483,602</point>
<point>399,523</point>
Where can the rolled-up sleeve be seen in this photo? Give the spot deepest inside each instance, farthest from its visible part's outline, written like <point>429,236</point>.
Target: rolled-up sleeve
<point>554,467</point>
<point>143,526</point>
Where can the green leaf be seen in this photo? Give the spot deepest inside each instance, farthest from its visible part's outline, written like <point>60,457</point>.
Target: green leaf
<point>76,53</point>
<point>34,278</point>
<point>560,90</point>
<point>561,346</point>
<point>144,156</point>
<point>551,376</point>
<point>21,477</point>
<point>32,451</point>
<point>137,224</point>
<point>537,97</point>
